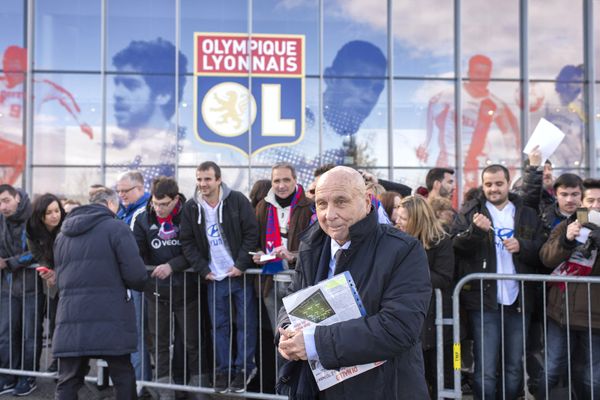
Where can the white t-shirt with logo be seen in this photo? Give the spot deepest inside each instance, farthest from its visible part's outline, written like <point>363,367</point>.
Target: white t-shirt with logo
<point>503,222</point>
<point>220,259</point>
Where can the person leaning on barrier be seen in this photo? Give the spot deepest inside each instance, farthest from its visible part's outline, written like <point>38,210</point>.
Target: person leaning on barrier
<point>21,297</point>
<point>391,274</point>
<point>96,263</point>
<point>565,253</point>
<point>218,230</point>
<point>42,229</point>
<point>156,232</point>
<point>496,233</point>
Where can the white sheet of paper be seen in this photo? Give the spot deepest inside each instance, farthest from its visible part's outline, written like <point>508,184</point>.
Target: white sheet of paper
<point>547,136</point>
<point>267,257</point>
<point>594,217</point>
<point>584,233</point>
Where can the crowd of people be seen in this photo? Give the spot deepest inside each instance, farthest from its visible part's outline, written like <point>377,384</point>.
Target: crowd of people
<point>154,283</point>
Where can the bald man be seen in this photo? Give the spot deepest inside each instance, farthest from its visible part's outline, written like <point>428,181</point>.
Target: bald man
<point>392,277</point>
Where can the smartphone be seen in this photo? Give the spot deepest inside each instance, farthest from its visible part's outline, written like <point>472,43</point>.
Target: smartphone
<point>42,269</point>
<point>582,215</point>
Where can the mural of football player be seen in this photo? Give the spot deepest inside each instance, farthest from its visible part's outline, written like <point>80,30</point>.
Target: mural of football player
<point>353,84</point>
<point>12,109</point>
<point>145,101</point>
<point>486,118</point>
<point>565,108</point>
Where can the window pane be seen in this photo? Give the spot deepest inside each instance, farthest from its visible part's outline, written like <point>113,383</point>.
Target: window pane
<point>490,29</point>
<point>277,17</point>
<point>597,124</point>
<point>596,33</point>
<point>303,155</point>
<point>14,56</point>
<point>210,16</point>
<point>71,183</point>
<point>423,46</point>
<point>555,36</point>
<point>490,128</point>
<point>344,25</point>
<point>12,19</point>
<point>67,121</point>
<point>413,178</point>
<point>139,130</point>
<point>67,35</point>
<point>423,123</point>
<point>131,25</point>
<point>563,106</point>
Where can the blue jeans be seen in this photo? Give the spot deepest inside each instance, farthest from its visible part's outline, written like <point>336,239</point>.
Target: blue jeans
<point>580,355</point>
<point>141,355</point>
<point>242,298</point>
<point>21,330</point>
<point>490,339</point>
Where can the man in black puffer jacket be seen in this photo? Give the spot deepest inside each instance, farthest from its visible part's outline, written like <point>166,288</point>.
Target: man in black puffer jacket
<point>97,262</point>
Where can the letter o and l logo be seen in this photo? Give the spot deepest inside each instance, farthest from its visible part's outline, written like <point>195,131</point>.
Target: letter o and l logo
<point>155,243</point>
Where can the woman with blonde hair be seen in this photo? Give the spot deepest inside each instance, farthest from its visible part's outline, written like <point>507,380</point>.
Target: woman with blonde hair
<point>416,218</point>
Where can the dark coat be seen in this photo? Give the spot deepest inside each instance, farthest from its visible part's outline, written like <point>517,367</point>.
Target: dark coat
<point>392,278</point>
<point>155,251</point>
<point>475,251</point>
<point>299,221</point>
<point>441,269</point>
<point>237,222</point>
<point>96,260</point>
<point>14,248</point>
<point>556,250</point>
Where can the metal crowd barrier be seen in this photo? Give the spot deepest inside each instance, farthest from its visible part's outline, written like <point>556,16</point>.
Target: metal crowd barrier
<point>544,280</point>
<point>265,356</point>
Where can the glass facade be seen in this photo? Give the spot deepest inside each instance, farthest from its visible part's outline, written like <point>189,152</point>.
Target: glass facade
<point>89,89</point>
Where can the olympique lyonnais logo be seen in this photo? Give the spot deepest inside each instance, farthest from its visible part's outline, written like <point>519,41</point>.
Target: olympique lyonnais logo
<point>249,90</point>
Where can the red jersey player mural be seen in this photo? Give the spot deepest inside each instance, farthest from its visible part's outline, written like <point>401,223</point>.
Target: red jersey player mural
<point>12,102</point>
<point>483,115</point>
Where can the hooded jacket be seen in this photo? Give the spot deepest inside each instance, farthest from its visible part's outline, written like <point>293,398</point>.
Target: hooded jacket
<point>97,260</point>
<point>155,251</point>
<point>391,274</point>
<point>236,222</point>
<point>13,247</point>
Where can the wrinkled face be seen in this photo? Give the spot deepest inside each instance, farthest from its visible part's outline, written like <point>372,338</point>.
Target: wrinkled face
<point>164,206</point>
<point>402,219</point>
<point>207,183</point>
<point>591,199</point>
<point>568,198</point>
<point>129,191</point>
<point>134,101</point>
<point>52,216</point>
<point>447,186</point>
<point>397,201</point>
<point>339,206</point>
<point>8,203</point>
<point>495,187</point>
<point>282,182</point>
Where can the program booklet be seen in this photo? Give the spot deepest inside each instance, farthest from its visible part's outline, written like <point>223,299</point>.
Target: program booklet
<point>328,302</point>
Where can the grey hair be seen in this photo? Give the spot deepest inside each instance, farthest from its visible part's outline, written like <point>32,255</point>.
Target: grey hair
<point>104,196</point>
<point>133,176</point>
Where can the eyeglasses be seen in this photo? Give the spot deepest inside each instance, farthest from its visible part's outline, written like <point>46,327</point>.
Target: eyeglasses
<point>125,191</point>
<point>162,205</point>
